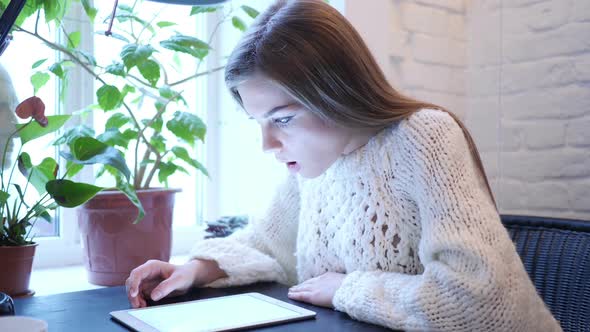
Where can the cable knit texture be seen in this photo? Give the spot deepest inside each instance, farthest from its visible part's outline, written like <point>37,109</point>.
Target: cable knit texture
<point>408,218</point>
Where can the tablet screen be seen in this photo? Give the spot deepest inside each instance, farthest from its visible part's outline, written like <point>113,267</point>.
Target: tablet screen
<point>216,313</point>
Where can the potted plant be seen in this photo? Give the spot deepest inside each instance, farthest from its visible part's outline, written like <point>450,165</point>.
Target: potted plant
<point>149,121</point>
<point>19,210</point>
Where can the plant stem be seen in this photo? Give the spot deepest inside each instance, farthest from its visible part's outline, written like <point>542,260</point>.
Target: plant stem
<point>225,16</point>
<point>20,149</point>
<point>108,32</point>
<point>40,202</point>
<point>22,201</point>
<point>37,21</point>
<point>197,75</point>
<point>149,23</point>
<point>138,180</point>
<point>153,170</point>
<point>4,154</point>
<point>142,169</point>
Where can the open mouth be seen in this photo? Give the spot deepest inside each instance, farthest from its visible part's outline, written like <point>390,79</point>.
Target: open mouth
<point>293,166</point>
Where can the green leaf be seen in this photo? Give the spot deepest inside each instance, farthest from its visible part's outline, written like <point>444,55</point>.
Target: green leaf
<point>238,23</point>
<point>38,175</point>
<point>3,197</point>
<point>187,44</point>
<point>157,124</point>
<point>41,211</point>
<point>24,164</point>
<point>70,194</point>
<point>182,169</point>
<point>88,151</point>
<point>165,170</point>
<point>187,127</point>
<point>113,35</point>
<point>90,11</point>
<point>165,24</point>
<point>117,120</point>
<point>109,97</point>
<point>67,63</point>
<point>129,191</point>
<point>158,142</point>
<point>250,11</point>
<point>39,79</point>
<point>133,54</point>
<point>182,153</point>
<point>73,168</point>
<point>127,89</point>
<point>166,92</point>
<point>74,39</point>
<point>203,9</point>
<point>117,69</point>
<point>54,9</point>
<point>57,70</point>
<point>130,134</point>
<point>89,57</point>
<point>42,173</point>
<point>125,8</point>
<point>73,133</point>
<point>114,137</point>
<point>28,10</point>
<point>20,194</point>
<point>38,63</point>
<point>150,70</point>
<point>125,17</point>
<point>108,170</point>
<point>33,130</point>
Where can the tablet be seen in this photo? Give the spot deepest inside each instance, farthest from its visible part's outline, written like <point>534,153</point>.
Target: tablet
<point>224,313</point>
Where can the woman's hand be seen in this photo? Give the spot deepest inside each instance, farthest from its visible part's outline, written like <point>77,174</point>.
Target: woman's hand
<point>156,279</point>
<point>319,290</point>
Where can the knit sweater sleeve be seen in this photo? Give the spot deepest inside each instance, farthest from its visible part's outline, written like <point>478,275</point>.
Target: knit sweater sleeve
<point>473,279</point>
<point>264,249</point>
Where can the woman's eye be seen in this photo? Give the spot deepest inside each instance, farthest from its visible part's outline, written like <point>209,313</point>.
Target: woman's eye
<point>283,121</point>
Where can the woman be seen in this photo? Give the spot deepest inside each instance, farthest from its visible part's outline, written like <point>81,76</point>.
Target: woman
<point>387,216</point>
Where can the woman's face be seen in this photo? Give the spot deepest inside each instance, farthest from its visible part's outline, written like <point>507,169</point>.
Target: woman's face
<point>298,138</point>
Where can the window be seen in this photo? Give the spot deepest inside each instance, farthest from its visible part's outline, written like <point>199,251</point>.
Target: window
<point>59,243</point>
<point>242,177</point>
<point>18,61</point>
<point>188,203</point>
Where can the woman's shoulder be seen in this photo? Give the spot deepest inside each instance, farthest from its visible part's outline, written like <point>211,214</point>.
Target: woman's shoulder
<point>431,117</point>
<point>429,124</point>
<point>420,123</point>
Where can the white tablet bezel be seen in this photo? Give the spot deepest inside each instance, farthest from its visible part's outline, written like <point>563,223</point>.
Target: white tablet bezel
<point>137,324</point>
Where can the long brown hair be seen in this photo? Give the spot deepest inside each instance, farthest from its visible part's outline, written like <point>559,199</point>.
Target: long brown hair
<point>318,58</point>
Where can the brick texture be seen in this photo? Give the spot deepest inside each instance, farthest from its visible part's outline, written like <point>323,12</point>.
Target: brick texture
<point>518,73</point>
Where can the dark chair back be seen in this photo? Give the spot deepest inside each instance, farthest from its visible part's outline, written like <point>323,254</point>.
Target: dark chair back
<point>556,255</point>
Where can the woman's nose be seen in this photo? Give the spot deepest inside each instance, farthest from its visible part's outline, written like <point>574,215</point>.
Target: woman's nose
<point>270,143</point>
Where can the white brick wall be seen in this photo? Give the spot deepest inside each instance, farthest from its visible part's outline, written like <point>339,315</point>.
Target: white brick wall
<point>528,69</point>
<point>518,73</point>
<point>428,51</point>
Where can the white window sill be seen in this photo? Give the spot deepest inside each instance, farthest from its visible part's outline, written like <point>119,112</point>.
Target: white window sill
<point>67,279</point>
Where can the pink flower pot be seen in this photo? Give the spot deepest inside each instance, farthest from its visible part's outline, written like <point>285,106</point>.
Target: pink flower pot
<point>16,264</point>
<point>113,245</point>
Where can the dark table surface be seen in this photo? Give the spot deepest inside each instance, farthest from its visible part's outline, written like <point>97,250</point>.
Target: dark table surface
<point>89,310</point>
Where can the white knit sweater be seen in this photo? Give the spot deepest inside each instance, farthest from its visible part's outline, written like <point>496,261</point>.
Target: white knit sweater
<point>407,217</point>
